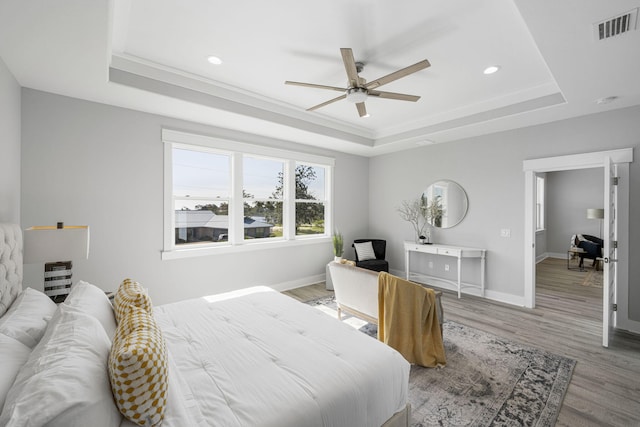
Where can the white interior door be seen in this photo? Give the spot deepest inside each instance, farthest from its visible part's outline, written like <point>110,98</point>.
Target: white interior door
<point>610,265</point>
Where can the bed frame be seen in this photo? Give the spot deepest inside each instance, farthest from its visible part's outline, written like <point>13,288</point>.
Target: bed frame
<point>400,418</point>
<point>11,275</point>
<point>11,270</point>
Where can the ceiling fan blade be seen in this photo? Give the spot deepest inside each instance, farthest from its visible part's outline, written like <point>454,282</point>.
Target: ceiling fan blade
<point>362,110</point>
<point>398,74</point>
<point>331,101</point>
<point>339,89</point>
<point>350,66</point>
<point>393,95</point>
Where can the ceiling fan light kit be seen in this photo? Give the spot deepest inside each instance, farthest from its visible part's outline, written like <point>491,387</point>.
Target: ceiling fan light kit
<point>358,90</point>
<point>357,94</point>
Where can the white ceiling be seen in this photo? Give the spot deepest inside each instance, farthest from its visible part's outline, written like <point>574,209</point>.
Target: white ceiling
<point>151,55</point>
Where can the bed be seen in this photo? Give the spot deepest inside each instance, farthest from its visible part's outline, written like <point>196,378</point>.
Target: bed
<point>252,357</point>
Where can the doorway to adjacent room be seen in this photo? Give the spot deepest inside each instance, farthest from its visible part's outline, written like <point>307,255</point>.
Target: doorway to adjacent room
<point>615,163</point>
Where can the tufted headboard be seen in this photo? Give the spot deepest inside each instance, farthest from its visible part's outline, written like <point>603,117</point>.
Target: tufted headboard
<point>10,264</point>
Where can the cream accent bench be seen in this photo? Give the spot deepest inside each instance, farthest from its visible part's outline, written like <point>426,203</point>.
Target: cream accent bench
<point>356,291</point>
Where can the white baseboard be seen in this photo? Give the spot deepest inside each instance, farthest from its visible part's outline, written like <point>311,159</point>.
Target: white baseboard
<point>488,293</point>
<point>299,283</point>
<point>557,255</point>
<point>505,298</point>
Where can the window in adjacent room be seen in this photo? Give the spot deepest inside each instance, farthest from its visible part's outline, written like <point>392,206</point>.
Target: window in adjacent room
<point>226,195</point>
<point>540,203</point>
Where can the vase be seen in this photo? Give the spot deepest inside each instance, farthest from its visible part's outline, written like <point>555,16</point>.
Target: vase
<point>337,258</point>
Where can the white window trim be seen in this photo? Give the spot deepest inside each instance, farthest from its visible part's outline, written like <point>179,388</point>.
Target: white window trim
<point>542,214</point>
<point>172,138</point>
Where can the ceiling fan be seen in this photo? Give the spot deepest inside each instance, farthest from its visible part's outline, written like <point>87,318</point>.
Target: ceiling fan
<point>358,89</point>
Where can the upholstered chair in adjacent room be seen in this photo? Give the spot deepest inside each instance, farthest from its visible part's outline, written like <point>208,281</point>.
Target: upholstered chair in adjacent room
<point>591,245</point>
<point>370,254</point>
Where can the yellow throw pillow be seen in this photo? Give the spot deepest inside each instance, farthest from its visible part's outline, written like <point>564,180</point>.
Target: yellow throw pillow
<point>130,294</point>
<point>138,369</point>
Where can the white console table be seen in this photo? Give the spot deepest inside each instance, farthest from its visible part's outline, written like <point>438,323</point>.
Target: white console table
<point>458,252</point>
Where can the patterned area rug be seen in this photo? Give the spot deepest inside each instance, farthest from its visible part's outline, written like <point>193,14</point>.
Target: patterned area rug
<point>488,381</point>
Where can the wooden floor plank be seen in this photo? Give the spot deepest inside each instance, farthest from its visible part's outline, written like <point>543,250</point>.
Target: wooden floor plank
<point>605,387</point>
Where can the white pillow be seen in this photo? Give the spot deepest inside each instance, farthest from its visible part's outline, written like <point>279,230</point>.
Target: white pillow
<point>13,355</point>
<point>92,300</point>
<point>364,251</point>
<point>65,380</point>
<point>27,318</point>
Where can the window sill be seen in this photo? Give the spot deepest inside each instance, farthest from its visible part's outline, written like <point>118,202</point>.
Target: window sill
<point>181,253</point>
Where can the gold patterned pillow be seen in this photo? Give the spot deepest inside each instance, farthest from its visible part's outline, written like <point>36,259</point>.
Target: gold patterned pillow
<point>130,294</point>
<point>138,369</point>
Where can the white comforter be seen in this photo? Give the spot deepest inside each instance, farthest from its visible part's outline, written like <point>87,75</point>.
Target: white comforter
<point>259,358</point>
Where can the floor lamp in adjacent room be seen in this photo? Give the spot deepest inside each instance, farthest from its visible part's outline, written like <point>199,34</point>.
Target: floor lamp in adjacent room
<point>596,214</point>
<point>49,243</point>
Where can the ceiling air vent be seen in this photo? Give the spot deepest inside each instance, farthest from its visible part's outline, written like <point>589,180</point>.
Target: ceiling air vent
<point>616,26</point>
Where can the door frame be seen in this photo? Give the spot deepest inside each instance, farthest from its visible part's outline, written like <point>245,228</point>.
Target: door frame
<point>610,262</point>
<point>622,158</point>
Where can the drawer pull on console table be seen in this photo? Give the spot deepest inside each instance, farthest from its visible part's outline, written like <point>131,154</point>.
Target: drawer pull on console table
<point>458,252</point>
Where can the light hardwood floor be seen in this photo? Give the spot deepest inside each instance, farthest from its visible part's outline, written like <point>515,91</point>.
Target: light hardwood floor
<point>605,387</point>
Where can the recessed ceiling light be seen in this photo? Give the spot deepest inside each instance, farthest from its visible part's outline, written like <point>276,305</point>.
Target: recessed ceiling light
<point>606,100</point>
<point>492,69</point>
<point>214,60</point>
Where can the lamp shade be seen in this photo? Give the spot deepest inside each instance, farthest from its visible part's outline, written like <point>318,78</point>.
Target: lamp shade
<point>595,213</point>
<point>49,243</point>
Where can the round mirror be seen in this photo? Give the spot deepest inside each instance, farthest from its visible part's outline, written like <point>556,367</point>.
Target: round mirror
<point>446,203</point>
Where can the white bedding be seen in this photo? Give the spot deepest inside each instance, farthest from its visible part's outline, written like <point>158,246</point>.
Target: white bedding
<point>246,358</point>
<point>258,358</point>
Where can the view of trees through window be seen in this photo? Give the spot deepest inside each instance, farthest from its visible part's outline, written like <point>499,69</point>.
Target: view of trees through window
<point>205,217</point>
<point>310,193</point>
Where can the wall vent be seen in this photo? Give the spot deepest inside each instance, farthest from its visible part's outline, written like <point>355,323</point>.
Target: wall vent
<point>616,26</point>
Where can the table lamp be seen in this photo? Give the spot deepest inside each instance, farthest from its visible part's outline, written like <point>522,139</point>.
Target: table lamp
<point>49,243</point>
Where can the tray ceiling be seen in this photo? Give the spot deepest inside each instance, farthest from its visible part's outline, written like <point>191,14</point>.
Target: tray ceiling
<point>151,55</point>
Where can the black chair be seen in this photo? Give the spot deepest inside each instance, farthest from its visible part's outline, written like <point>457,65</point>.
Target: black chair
<point>591,245</point>
<point>380,249</point>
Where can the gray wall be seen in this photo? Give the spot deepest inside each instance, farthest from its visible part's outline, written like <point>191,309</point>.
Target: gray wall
<point>88,163</point>
<point>569,195</point>
<point>490,169</point>
<point>9,146</point>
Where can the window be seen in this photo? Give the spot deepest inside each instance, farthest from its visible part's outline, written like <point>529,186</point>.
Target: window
<point>201,192</point>
<point>226,196</point>
<point>310,199</point>
<point>539,203</point>
<point>263,198</point>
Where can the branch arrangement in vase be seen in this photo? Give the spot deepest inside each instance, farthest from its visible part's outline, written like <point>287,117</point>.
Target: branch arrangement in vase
<point>416,212</point>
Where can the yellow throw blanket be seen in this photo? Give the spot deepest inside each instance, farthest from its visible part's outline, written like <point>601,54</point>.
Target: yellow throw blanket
<point>408,321</point>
